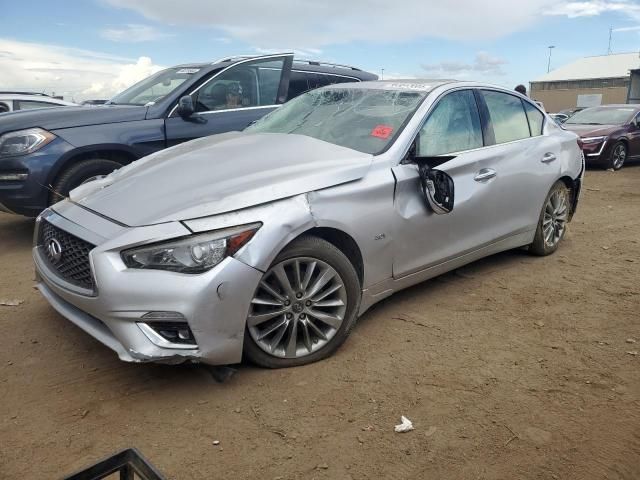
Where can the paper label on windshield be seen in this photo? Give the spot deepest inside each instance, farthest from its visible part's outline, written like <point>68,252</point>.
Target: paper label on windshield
<point>188,70</point>
<point>382,131</point>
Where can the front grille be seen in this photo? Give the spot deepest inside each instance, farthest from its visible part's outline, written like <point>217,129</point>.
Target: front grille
<point>72,263</point>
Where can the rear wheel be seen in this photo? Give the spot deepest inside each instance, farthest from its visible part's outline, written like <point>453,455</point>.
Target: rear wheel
<point>618,156</point>
<point>552,224</point>
<point>304,307</point>
<point>80,173</point>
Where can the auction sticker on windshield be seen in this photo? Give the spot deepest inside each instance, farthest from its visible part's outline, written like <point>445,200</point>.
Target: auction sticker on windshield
<point>381,131</point>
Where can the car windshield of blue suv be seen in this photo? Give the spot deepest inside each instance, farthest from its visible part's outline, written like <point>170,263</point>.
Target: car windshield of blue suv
<point>366,120</point>
<point>602,116</point>
<point>155,87</point>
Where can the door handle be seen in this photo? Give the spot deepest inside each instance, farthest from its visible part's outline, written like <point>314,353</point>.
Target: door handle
<point>485,174</point>
<point>548,157</point>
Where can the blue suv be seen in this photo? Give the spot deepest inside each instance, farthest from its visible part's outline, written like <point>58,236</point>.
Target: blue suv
<point>46,153</point>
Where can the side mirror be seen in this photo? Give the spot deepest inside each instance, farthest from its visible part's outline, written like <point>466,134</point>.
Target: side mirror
<point>437,188</point>
<point>186,107</point>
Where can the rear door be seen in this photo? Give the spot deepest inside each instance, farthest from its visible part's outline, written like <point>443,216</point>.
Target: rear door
<point>234,98</point>
<point>523,164</point>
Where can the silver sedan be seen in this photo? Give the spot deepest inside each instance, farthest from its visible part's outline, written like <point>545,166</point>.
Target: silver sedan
<point>271,242</point>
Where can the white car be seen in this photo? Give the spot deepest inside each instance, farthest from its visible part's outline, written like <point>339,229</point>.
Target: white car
<point>14,101</point>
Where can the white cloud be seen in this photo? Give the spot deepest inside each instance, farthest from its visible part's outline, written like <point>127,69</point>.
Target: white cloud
<point>627,29</point>
<point>75,73</point>
<point>593,8</point>
<point>133,32</point>
<point>316,24</point>
<point>298,52</point>
<point>330,22</point>
<point>484,64</point>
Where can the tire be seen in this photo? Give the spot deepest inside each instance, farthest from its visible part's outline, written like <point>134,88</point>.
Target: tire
<point>78,174</point>
<point>556,209</point>
<point>617,156</point>
<point>312,343</point>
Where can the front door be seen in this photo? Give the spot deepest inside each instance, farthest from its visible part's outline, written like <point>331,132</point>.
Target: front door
<point>421,237</point>
<point>233,99</point>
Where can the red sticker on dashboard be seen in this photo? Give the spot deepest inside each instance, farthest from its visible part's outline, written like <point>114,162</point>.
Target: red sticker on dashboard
<point>382,131</point>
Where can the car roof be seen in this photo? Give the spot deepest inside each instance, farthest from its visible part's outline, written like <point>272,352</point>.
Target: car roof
<point>416,84</point>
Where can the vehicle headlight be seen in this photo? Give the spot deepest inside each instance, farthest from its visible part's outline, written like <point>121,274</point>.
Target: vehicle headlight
<point>24,141</point>
<point>194,254</point>
<point>591,140</point>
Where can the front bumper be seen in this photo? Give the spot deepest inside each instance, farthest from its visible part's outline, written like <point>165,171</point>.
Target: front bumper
<point>29,196</point>
<point>214,304</point>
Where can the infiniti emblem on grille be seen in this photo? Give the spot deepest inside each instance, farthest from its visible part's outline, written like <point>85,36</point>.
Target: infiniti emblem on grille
<point>55,250</point>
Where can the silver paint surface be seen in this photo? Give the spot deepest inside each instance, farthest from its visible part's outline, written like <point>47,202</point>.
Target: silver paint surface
<point>292,184</point>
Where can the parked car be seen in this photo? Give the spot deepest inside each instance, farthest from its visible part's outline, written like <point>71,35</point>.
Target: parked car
<point>609,134</point>
<point>45,154</point>
<point>559,118</point>
<point>571,111</point>
<point>14,101</point>
<point>272,241</point>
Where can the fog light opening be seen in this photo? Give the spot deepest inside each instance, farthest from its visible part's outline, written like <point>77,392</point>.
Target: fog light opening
<point>168,334</point>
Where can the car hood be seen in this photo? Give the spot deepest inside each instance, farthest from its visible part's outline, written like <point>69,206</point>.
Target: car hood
<point>591,130</point>
<point>219,174</point>
<point>67,117</point>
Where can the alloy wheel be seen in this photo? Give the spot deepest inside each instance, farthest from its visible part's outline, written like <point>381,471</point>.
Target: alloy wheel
<point>619,156</point>
<point>556,214</point>
<point>298,307</point>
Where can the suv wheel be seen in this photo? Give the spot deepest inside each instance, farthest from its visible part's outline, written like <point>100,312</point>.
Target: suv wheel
<point>80,173</point>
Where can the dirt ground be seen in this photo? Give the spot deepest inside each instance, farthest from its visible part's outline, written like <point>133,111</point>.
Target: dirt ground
<point>513,367</point>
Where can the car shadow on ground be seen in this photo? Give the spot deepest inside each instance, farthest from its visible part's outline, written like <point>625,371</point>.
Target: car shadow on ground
<point>15,230</point>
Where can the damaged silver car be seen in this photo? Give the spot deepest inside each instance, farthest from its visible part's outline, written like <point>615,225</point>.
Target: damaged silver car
<point>271,242</point>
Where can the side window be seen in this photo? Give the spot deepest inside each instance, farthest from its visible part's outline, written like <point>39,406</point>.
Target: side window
<point>536,119</point>
<point>317,80</point>
<point>333,79</point>
<point>507,116</point>
<point>250,84</point>
<point>452,126</point>
<point>29,104</point>
<point>298,84</point>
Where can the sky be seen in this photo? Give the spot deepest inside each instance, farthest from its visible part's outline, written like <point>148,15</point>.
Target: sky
<point>96,48</point>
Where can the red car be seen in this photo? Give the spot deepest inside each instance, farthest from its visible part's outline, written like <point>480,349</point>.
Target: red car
<point>609,134</point>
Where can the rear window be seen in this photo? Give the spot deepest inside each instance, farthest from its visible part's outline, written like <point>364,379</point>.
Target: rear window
<point>536,119</point>
<point>507,116</point>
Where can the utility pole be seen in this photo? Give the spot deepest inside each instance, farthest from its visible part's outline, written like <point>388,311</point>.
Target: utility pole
<point>550,47</point>
<point>610,34</point>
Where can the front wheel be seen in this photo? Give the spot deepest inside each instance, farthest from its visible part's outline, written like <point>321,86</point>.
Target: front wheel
<point>80,173</point>
<point>618,156</point>
<point>304,307</point>
<point>552,224</point>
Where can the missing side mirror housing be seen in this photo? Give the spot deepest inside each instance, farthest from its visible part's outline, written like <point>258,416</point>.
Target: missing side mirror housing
<point>437,188</point>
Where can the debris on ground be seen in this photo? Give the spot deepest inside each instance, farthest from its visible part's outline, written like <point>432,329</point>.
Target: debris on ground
<point>631,340</point>
<point>633,352</point>
<point>11,302</point>
<point>216,442</point>
<point>539,323</point>
<point>405,426</point>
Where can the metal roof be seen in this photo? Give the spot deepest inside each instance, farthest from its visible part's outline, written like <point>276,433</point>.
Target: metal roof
<point>602,66</point>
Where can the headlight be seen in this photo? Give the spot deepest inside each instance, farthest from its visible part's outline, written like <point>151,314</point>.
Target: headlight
<point>195,254</point>
<point>589,140</point>
<point>24,141</point>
